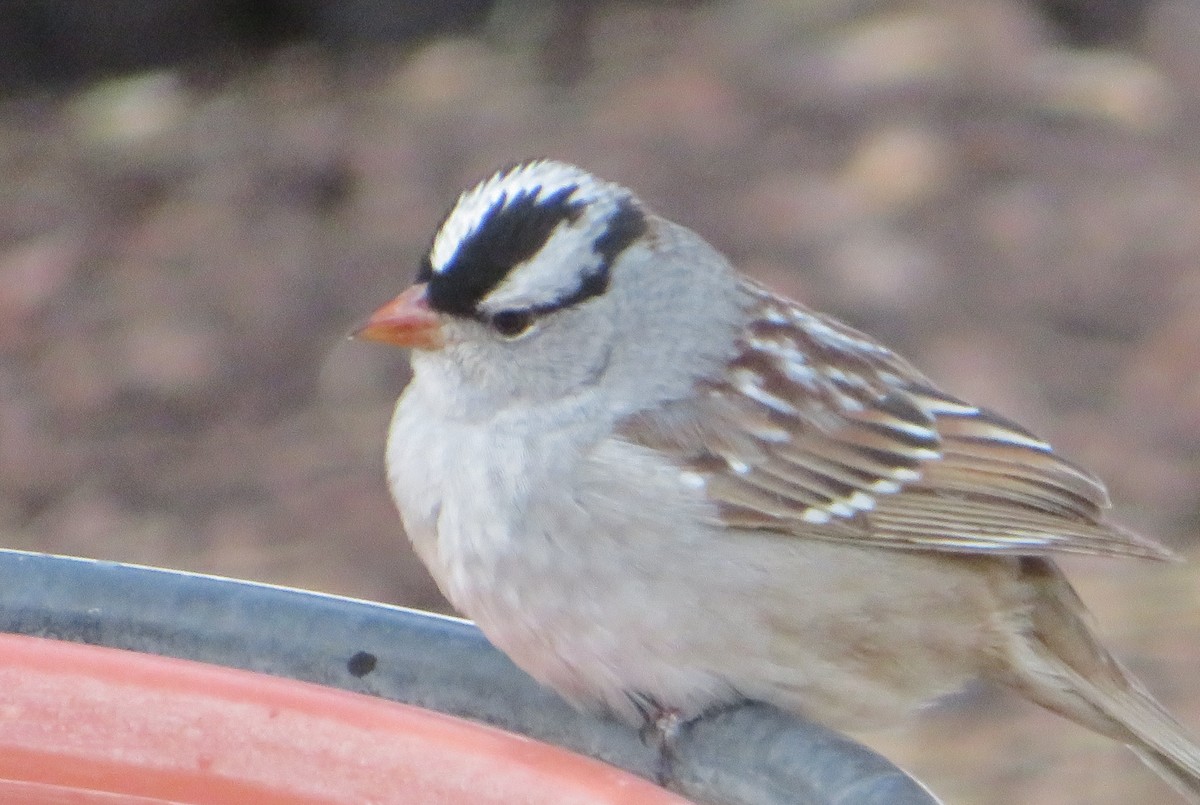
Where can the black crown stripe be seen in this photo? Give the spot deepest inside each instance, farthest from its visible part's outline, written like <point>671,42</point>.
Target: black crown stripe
<point>625,226</point>
<point>510,232</point>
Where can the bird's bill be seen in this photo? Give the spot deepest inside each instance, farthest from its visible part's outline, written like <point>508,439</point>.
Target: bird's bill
<point>406,321</point>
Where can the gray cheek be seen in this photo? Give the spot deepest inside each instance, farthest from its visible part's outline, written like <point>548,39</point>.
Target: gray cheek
<point>572,354</point>
<point>598,365</point>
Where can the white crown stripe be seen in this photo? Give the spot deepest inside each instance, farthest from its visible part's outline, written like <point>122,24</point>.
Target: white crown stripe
<point>540,177</point>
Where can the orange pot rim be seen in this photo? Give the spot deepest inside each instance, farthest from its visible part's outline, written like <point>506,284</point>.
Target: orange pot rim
<point>93,719</point>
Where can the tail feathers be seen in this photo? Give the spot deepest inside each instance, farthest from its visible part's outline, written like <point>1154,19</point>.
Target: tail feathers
<point>1061,666</point>
<point>1180,779</point>
<point>1131,715</point>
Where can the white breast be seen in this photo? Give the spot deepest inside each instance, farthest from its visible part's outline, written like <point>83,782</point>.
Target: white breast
<point>530,534</point>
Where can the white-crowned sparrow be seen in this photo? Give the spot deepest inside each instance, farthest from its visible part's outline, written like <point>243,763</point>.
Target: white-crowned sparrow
<point>659,487</point>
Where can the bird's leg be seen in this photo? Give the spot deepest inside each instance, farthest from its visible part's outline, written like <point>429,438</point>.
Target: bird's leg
<point>660,730</point>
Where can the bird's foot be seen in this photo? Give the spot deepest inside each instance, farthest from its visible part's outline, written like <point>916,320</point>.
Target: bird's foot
<point>660,731</point>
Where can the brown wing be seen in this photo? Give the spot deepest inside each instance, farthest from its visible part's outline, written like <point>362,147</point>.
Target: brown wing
<point>819,431</point>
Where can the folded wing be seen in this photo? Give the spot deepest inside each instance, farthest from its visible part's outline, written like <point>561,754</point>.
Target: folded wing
<point>818,431</point>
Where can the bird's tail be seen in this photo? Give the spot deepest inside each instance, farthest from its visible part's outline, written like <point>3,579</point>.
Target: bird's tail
<point>1062,667</point>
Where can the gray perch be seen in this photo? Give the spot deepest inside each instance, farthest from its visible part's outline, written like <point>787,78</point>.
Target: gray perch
<point>751,755</point>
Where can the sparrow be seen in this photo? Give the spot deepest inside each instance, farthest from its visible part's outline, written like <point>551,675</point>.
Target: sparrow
<point>661,488</point>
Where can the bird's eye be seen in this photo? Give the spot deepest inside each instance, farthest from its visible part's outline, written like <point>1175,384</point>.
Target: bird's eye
<point>512,323</point>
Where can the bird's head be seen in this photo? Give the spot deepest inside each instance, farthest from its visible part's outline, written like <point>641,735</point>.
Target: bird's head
<point>544,280</point>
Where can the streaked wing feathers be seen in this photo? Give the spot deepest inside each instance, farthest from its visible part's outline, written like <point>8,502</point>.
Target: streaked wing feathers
<point>819,431</point>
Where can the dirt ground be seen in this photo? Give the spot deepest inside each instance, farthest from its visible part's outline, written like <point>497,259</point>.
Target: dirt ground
<point>183,253</point>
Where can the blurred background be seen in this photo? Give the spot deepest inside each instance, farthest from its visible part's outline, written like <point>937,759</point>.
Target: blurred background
<point>199,199</point>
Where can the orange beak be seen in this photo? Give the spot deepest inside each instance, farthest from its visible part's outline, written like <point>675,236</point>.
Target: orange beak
<point>406,321</point>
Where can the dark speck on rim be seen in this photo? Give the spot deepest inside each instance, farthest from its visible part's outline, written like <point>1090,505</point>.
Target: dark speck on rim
<point>361,664</point>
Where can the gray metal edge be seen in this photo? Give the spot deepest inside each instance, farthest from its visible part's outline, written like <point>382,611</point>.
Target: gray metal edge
<point>750,755</point>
